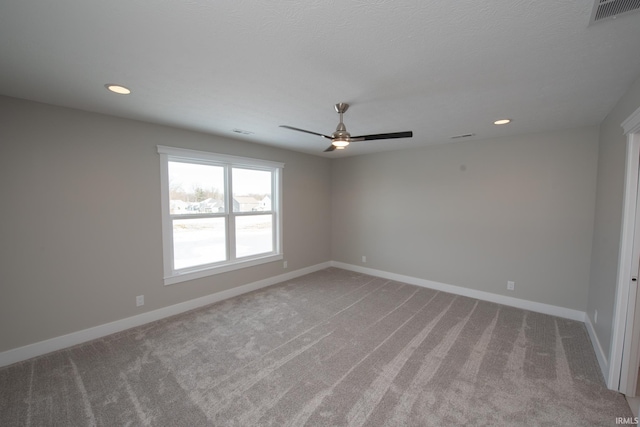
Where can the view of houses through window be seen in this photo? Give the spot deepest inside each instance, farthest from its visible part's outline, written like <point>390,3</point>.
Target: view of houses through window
<point>208,226</point>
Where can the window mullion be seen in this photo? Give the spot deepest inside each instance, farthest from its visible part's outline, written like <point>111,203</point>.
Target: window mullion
<point>231,220</point>
<point>195,216</point>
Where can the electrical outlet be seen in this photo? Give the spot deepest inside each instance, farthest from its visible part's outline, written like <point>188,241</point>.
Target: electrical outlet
<point>139,300</point>
<point>511,285</point>
<point>364,258</point>
<point>284,264</point>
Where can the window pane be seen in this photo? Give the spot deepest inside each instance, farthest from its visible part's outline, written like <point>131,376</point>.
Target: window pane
<point>251,190</point>
<point>198,241</point>
<point>195,188</point>
<point>254,235</point>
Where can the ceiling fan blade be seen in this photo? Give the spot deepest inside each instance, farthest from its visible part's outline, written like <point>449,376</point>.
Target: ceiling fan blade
<point>407,134</point>
<point>331,148</point>
<point>305,131</point>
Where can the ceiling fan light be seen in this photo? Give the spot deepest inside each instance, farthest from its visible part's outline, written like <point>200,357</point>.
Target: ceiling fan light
<point>340,143</point>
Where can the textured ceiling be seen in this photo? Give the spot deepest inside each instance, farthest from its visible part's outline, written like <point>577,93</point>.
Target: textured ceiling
<point>437,68</point>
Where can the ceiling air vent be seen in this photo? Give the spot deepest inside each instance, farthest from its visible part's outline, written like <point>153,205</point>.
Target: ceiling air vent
<point>466,135</point>
<point>242,131</point>
<point>608,9</point>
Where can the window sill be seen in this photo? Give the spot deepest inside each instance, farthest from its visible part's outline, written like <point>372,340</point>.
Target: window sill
<point>211,271</point>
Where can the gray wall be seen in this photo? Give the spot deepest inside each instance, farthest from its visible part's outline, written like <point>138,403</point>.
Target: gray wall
<point>80,219</point>
<point>475,214</point>
<point>608,216</point>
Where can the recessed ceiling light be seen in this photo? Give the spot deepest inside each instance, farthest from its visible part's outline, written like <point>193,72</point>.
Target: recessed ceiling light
<point>121,90</point>
<point>502,122</point>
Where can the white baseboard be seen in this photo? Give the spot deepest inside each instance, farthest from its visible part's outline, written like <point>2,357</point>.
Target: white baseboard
<point>538,307</point>
<point>43,347</point>
<point>602,358</point>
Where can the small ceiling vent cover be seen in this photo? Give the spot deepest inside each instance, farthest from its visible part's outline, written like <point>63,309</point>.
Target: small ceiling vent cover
<point>608,9</point>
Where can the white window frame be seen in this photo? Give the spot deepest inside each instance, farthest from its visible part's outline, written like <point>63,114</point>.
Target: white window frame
<point>168,154</point>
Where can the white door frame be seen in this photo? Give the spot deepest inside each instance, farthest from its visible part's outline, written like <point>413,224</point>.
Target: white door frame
<point>624,310</point>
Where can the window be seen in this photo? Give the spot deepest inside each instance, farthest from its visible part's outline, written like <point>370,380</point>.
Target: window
<point>219,213</point>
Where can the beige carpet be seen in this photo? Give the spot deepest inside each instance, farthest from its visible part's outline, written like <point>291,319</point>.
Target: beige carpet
<point>333,348</point>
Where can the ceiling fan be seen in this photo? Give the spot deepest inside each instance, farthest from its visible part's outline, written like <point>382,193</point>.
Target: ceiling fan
<point>341,138</point>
